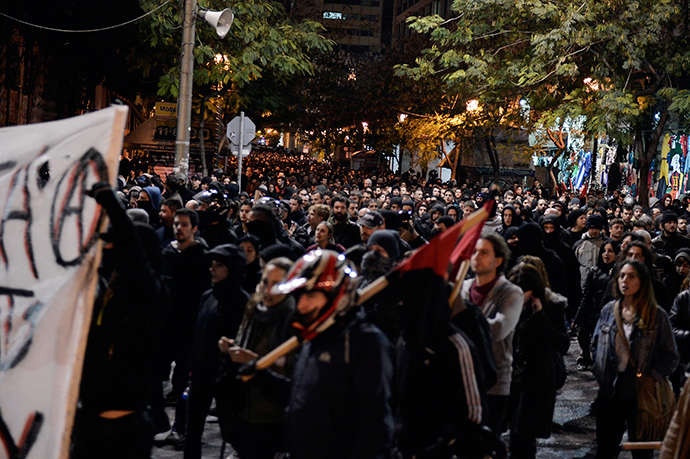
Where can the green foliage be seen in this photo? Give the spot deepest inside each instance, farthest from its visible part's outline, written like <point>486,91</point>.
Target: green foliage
<point>611,62</point>
<point>263,41</point>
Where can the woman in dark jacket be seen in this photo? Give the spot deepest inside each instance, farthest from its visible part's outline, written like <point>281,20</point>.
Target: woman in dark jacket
<point>647,329</point>
<point>595,288</point>
<point>540,333</point>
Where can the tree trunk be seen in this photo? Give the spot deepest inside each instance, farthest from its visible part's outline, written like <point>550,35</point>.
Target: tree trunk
<point>551,175</point>
<point>493,156</point>
<point>646,155</point>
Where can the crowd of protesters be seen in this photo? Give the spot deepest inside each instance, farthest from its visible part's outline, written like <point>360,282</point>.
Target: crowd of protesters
<point>225,272</point>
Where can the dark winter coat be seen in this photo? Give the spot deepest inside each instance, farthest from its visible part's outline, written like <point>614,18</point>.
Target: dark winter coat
<point>680,322</point>
<point>117,372</point>
<point>187,277</point>
<point>221,312</point>
<point>340,397</point>
<point>595,288</point>
<point>537,337</point>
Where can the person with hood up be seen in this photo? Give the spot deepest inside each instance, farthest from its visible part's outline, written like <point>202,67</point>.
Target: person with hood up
<point>510,217</point>
<point>530,241</point>
<point>551,227</point>
<point>118,386</point>
<point>435,213</point>
<point>383,253</point>
<point>577,219</point>
<point>221,312</point>
<point>587,248</point>
<point>596,283</point>
<point>150,200</point>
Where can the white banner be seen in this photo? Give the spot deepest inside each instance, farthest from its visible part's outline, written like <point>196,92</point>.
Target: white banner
<point>48,261</point>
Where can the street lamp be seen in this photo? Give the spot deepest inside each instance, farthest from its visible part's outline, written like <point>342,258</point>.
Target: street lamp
<point>221,21</point>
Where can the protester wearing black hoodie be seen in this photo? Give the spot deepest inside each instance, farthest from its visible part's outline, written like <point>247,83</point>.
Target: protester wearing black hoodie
<point>118,383</point>
<point>552,240</point>
<point>221,312</point>
<point>531,242</point>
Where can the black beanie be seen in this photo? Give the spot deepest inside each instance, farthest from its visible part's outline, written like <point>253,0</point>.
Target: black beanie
<point>668,217</point>
<point>388,239</point>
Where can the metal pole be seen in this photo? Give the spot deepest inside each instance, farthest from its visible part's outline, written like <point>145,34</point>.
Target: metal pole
<point>239,152</point>
<point>184,101</point>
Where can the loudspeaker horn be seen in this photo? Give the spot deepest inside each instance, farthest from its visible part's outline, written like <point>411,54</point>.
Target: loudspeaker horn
<point>220,20</point>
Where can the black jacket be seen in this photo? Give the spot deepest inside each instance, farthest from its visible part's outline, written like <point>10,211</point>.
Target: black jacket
<point>595,289</point>
<point>187,277</point>
<point>221,312</point>
<point>340,398</point>
<point>117,372</point>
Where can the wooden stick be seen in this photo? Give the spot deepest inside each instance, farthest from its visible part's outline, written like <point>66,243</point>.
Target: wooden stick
<point>462,272</point>
<point>270,358</point>
<point>635,445</point>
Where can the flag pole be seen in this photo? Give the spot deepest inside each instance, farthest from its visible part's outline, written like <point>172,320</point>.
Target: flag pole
<point>462,272</point>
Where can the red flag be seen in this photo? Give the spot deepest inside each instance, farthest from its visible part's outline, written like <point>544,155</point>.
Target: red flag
<point>442,249</point>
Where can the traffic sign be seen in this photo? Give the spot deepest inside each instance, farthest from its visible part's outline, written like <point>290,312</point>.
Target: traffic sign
<point>233,131</point>
<point>245,150</point>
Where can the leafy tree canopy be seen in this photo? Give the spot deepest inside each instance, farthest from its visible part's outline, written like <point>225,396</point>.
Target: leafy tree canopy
<point>263,41</point>
<point>622,64</point>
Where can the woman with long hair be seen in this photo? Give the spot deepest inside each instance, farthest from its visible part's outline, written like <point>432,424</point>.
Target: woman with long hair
<point>540,333</point>
<point>587,315</point>
<point>632,337</point>
<point>323,238</point>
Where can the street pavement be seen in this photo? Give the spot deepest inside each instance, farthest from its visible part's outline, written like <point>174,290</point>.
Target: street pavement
<point>573,433</point>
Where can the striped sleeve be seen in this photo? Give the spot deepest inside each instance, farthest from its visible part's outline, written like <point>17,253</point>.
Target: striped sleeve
<point>469,379</point>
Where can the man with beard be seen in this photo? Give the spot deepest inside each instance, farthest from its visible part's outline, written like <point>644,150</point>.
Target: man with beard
<point>501,303</point>
<point>346,233</point>
<point>185,271</point>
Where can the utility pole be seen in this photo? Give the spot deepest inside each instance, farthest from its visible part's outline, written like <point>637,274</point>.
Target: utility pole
<point>184,100</point>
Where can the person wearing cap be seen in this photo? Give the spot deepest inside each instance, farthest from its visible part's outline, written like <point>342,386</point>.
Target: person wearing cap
<point>220,314</point>
<point>195,183</point>
<point>587,248</point>
<point>669,242</point>
<point>368,223</point>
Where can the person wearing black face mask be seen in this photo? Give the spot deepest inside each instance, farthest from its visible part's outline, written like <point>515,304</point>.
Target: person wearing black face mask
<point>382,254</point>
<point>149,200</point>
